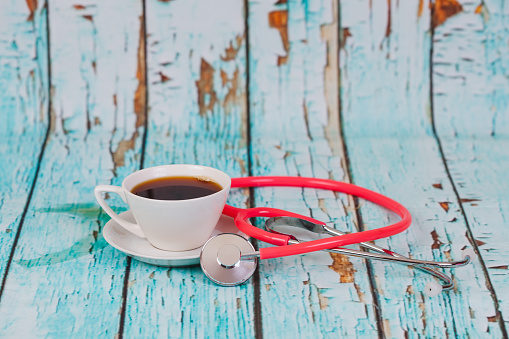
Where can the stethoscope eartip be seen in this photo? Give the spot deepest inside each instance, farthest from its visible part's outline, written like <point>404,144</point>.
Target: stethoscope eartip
<point>432,289</point>
<point>222,262</point>
<point>469,252</point>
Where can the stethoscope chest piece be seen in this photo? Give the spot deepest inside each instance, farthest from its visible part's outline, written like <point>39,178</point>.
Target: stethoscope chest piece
<point>221,260</point>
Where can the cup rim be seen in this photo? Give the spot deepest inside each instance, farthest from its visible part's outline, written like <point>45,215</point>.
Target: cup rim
<point>226,187</point>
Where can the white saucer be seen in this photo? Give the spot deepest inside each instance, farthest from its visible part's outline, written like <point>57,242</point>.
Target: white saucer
<point>140,249</point>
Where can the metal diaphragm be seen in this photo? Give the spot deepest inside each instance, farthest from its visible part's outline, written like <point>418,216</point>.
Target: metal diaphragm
<point>221,261</point>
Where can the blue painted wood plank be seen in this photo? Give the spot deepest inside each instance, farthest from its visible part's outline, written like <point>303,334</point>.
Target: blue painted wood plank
<point>196,63</point>
<point>24,96</point>
<point>471,111</point>
<point>64,280</point>
<point>388,133</point>
<point>295,131</point>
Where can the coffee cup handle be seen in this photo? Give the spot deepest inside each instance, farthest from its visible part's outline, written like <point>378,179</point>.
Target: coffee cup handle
<point>131,227</point>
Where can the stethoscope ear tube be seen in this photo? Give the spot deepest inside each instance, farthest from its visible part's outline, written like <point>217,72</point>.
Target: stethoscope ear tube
<point>241,219</point>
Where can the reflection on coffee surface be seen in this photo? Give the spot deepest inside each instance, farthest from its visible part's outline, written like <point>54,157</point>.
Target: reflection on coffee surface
<point>176,188</point>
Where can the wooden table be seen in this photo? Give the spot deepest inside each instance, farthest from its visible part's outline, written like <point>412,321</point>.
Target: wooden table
<point>408,98</point>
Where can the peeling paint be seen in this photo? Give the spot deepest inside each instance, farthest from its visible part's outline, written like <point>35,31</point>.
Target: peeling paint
<point>164,77</point>
<point>32,7</point>
<point>345,34</point>
<point>207,96</point>
<point>466,200</point>
<point>342,265</point>
<point>420,9</point>
<point>388,28</point>
<point>231,51</point>
<point>444,9</point>
<point>232,99</point>
<point>279,21</point>
<point>445,205</point>
<point>139,103</point>
<point>140,99</point>
<point>323,301</point>
<point>436,241</point>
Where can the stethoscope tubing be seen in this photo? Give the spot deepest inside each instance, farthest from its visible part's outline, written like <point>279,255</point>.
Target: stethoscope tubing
<point>242,215</point>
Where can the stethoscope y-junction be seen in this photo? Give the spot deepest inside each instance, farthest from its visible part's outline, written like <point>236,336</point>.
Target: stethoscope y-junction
<point>229,259</point>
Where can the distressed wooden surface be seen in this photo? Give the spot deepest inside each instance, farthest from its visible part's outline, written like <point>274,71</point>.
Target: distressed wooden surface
<point>295,131</point>
<point>197,101</point>
<point>408,98</point>
<point>471,111</point>
<point>392,57</point>
<point>63,279</point>
<point>23,112</point>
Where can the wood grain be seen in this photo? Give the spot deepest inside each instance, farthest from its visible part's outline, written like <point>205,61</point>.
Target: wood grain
<point>295,131</point>
<point>64,279</point>
<point>24,96</point>
<point>471,112</point>
<point>196,57</point>
<point>386,78</point>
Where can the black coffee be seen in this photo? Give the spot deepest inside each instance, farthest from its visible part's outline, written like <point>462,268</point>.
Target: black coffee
<point>176,188</point>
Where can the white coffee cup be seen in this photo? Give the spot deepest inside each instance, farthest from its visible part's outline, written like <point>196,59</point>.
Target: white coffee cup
<point>171,225</point>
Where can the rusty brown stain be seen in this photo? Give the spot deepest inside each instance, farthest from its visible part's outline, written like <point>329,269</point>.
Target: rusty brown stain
<point>342,265</point>
<point>420,9</point>
<point>164,77</point>
<point>239,303</point>
<point>279,20</point>
<point>97,121</point>
<point>410,289</point>
<point>479,242</point>
<point>322,205</point>
<point>281,2</point>
<point>388,28</point>
<point>32,7</point>
<point>151,276</point>
<point>123,146</point>
<point>242,164</point>
<point>439,186</point>
<point>231,51</point>
<point>88,17</point>
<point>139,102</point>
<point>344,36</point>
<point>224,78</point>
<point>479,8</point>
<point>360,294</point>
<point>94,66</point>
<point>466,200</point>
<point>205,86</point>
<point>282,60</point>
<point>503,267</point>
<point>267,287</point>
<point>436,241</point>
<point>441,10</point>
<point>140,99</point>
<point>323,301</point>
<point>445,205</point>
<point>231,97</point>
<point>8,230</point>
<point>79,7</point>
<point>493,319</point>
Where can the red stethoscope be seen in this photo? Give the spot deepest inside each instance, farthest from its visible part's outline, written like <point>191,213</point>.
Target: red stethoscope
<point>229,259</point>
